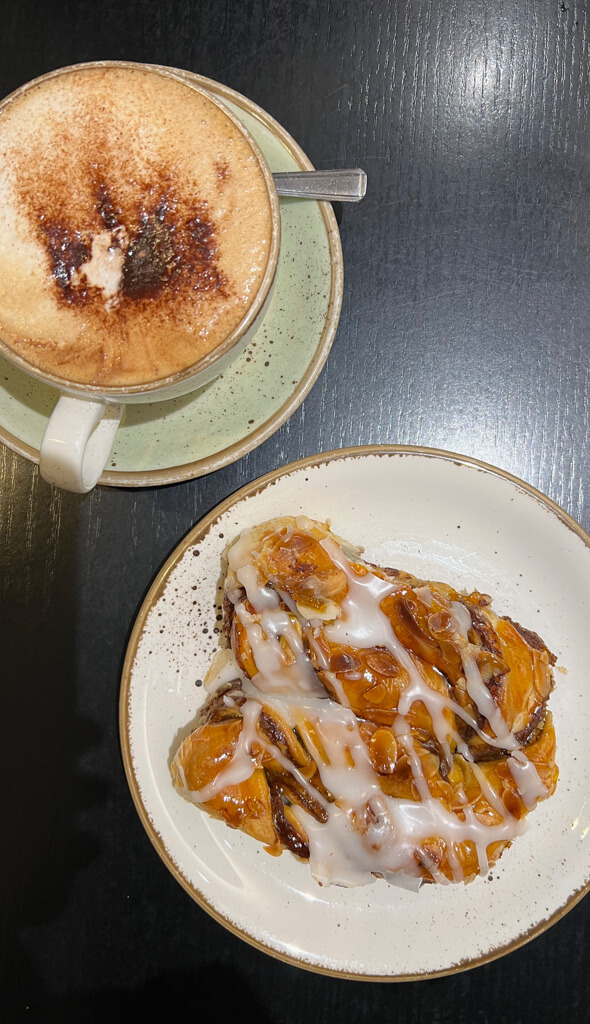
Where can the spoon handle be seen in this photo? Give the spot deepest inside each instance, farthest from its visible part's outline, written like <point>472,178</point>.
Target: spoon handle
<point>346,186</point>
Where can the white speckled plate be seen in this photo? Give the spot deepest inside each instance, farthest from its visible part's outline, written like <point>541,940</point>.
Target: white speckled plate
<point>438,515</point>
<point>166,442</point>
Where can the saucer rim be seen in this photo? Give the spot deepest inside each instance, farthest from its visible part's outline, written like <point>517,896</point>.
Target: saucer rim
<point>242,446</point>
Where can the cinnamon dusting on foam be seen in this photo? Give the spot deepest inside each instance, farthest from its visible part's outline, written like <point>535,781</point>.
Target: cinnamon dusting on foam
<point>154,249</point>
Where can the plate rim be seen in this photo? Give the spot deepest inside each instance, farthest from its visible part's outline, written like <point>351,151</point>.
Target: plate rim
<point>202,528</point>
<point>235,451</point>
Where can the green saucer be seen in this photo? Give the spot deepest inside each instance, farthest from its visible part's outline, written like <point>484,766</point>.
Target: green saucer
<point>166,442</point>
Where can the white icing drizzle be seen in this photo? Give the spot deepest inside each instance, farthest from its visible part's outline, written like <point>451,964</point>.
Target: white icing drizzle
<point>261,598</point>
<point>275,673</point>
<point>241,765</point>
<point>338,688</point>
<point>527,779</point>
<point>367,832</point>
<point>476,688</point>
<point>523,771</point>
<point>362,605</point>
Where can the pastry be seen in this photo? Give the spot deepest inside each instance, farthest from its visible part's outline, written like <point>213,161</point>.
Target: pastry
<point>372,723</point>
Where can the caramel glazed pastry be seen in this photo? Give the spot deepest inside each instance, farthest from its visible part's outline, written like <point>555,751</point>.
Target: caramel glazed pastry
<point>372,723</point>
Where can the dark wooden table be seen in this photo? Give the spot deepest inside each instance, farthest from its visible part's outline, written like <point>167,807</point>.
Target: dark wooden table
<point>464,326</point>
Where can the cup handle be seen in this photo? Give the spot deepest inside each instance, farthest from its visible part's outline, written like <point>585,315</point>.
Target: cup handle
<point>77,442</point>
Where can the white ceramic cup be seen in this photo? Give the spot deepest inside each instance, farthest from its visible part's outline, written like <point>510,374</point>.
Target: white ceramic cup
<point>82,428</point>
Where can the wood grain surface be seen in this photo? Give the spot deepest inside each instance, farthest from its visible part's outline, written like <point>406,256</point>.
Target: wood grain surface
<point>465,326</point>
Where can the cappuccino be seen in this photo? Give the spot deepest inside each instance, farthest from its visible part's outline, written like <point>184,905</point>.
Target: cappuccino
<point>136,226</point>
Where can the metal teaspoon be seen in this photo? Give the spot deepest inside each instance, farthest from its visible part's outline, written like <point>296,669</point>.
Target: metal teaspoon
<point>344,186</point>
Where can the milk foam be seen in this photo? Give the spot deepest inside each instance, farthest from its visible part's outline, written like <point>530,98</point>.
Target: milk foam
<point>135,225</point>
